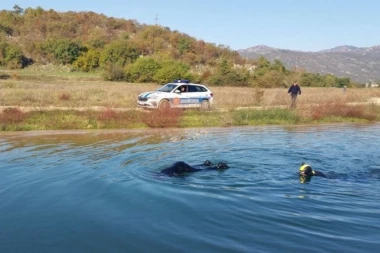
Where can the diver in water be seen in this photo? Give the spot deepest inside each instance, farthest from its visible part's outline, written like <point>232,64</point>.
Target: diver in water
<point>179,168</point>
<point>306,172</point>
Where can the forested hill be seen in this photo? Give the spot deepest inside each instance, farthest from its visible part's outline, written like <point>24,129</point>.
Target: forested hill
<point>127,50</point>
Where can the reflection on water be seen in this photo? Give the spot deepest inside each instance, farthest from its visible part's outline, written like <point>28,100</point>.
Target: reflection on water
<point>102,191</point>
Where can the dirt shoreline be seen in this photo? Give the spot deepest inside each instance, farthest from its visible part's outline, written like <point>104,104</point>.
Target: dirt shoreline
<point>373,100</point>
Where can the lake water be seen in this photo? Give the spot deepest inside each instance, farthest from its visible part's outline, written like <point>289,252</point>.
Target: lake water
<point>102,191</point>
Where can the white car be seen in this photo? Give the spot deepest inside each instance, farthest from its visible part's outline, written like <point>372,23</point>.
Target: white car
<point>179,94</point>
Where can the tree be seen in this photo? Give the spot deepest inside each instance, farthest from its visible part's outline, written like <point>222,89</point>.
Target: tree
<point>17,9</point>
<point>119,53</point>
<point>142,70</point>
<point>226,74</point>
<point>88,61</point>
<point>11,56</point>
<point>67,52</point>
<point>6,29</point>
<point>183,45</point>
<point>342,81</point>
<point>263,63</point>
<point>278,66</point>
<point>172,70</point>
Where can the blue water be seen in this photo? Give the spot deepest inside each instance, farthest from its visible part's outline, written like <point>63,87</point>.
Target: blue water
<point>102,191</point>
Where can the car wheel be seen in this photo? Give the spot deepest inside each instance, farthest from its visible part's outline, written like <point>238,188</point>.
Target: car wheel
<point>205,105</point>
<point>164,105</point>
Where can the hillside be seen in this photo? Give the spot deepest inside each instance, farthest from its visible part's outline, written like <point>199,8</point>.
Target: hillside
<point>88,41</point>
<point>33,29</point>
<point>123,49</point>
<point>359,64</point>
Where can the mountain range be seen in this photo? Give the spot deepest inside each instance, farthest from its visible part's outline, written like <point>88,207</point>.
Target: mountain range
<point>361,64</point>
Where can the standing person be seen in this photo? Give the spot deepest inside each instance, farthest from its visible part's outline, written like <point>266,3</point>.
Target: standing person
<point>294,91</point>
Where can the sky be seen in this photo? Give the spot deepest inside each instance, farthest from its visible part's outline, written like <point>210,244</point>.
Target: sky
<point>304,25</point>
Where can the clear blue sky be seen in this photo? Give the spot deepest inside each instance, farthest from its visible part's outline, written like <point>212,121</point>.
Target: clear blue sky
<point>306,25</point>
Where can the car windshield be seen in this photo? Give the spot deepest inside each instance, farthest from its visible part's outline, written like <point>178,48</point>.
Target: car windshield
<point>168,87</point>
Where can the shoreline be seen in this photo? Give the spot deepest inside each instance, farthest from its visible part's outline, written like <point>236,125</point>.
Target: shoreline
<point>14,119</point>
<point>32,133</point>
<point>27,105</point>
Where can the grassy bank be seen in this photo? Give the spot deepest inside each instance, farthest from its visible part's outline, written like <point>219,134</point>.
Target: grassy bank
<point>13,119</point>
<point>79,102</point>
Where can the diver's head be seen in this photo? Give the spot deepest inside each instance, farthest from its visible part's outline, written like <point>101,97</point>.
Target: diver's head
<point>306,170</point>
<point>222,166</point>
<point>207,163</point>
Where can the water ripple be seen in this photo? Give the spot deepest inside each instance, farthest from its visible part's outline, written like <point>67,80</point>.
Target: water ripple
<point>60,190</point>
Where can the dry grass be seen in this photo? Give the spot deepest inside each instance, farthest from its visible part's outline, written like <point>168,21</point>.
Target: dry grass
<point>230,97</point>
<point>80,93</point>
<point>74,94</point>
<point>339,110</point>
<point>64,96</point>
<point>159,119</point>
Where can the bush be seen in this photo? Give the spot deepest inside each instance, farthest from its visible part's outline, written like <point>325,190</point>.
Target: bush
<point>11,56</point>
<point>107,115</point>
<point>12,115</point>
<point>172,70</point>
<point>67,52</point>
<point>166,118</point>
<point>63,51</point>
<point>118,53</point>
<point>142,71</point>
<point>113,72</point>
<point>227,75</point>
<point>64,96</point>
<point>88,61</point>
<point>341,110</point>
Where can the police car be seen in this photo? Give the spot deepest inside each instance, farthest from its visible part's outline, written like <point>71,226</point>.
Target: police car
<point>178,94</point>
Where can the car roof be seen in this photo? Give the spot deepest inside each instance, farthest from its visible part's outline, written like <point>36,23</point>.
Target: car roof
<point>188,84</point>
<point>184,81</point>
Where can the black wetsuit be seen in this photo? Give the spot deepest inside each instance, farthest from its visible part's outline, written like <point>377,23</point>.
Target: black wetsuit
<point>179,168</point>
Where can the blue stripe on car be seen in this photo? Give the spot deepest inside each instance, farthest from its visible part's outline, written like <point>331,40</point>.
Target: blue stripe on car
<point>147,94</point>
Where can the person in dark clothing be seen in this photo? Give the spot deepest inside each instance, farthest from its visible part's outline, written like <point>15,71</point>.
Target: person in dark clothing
<point>180,168</point>
<point>294,91</point>
<point>306,172</point>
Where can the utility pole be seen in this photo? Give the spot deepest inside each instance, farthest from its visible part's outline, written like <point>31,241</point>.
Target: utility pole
<point>156,19</point>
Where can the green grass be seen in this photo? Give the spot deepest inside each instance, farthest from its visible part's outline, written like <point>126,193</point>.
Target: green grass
<point>193,118</point>
<point>49,72</point>
<point>12,119</point>
<point>271,116</point>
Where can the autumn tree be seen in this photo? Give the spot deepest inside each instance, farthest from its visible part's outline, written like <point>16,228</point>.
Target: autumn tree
<point>11,56</point>
<point>142,71</point>
<point>119,53</point>
<point>88,61</point>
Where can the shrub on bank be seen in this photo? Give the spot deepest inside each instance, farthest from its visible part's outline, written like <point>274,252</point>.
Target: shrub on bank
<point>159,119</point>
<point>321,111</point>
<point>12,115</point>
<point>13,119</point>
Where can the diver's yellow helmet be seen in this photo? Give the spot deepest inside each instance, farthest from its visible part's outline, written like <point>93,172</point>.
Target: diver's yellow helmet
<point>306,170</point>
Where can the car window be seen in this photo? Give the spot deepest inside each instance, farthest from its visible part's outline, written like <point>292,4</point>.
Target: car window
<point>167,88</point>
<point>194,88</point>
<point>182,88</point>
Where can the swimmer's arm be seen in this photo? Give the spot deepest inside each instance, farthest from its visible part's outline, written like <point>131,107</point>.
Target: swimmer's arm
<point>319,174</point>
